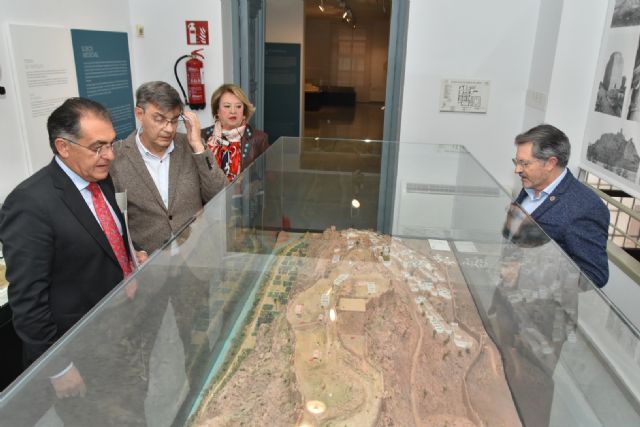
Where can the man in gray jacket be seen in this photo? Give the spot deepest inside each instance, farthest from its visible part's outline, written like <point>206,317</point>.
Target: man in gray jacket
<point>168,176</point>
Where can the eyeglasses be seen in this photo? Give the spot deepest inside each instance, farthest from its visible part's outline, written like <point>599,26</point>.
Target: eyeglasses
<point>162,121</point>
<point>525,163</point>
<point>98,151</point>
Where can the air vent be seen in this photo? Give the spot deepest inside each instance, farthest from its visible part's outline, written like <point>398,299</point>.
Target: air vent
<point>452,190</point>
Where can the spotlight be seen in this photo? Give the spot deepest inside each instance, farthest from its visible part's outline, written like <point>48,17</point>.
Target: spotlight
<point>347,15</point>
<point>321,6</point>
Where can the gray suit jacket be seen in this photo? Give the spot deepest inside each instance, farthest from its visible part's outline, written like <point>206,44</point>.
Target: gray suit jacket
<point>193,180</point>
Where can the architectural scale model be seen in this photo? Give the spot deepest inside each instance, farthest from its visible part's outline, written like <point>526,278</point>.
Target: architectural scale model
<point>353,328</point>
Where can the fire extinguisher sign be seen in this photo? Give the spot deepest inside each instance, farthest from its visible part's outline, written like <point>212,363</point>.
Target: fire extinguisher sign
<point>197,32</point>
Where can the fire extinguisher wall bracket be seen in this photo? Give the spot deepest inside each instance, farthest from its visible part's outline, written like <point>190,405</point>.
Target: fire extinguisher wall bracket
<point>195,85</point>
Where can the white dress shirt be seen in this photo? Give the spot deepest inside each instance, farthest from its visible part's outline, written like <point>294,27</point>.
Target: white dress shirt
<point>531,202</point>
<point>83,187</point>
<point>158,167</point>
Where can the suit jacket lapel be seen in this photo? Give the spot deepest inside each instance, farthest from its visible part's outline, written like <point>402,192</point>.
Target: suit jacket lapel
<point>177,159</point>
<point>554,197</point>
<point>131,152</point>
<point>71,197</point>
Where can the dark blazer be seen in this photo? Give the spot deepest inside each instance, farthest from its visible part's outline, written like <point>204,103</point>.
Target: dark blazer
<point>193,180</point>
<point>59,261</point>
<point>254,142</point>
<point>577,219</point>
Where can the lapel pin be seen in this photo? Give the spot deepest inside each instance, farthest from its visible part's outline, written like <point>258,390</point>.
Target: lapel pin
<point>552,198</point>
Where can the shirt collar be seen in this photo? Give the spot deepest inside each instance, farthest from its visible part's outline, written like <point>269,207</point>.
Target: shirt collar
<point>77,180</point>
<point>548,189</point>
<point>143,150</point>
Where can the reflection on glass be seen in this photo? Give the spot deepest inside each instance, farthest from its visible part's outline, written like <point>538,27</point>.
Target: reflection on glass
<point>278,305</point>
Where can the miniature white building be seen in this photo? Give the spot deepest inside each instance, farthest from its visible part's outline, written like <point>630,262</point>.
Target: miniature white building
<point>444,293</point>
<point>515,297</point>
<point>298,310</point>
<point>341,278</point>
<point>335,259</point>
<point>371,288</point>
<point>461,341</point>
<point>324,300</point>
<point>425,286</point>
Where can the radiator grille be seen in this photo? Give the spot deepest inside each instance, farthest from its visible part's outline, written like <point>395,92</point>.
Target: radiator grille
<point>452,190</point>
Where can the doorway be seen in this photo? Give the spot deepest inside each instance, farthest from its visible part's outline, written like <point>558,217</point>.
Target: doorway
<point>354,66</point>
<point>346,51</point>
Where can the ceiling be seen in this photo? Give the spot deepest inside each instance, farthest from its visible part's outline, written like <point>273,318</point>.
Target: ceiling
<point>361,9</point>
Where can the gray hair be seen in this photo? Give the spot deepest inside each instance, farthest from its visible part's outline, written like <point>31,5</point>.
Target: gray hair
<point>547,141</point>
<point>160,94</point>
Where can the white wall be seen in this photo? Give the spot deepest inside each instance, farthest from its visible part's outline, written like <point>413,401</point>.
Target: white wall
<point>112,16</point>
<point>542,61</point>
<point>154,55</point>
<point>466,39</point>
<point>574,70</point>
<point>285,21</point>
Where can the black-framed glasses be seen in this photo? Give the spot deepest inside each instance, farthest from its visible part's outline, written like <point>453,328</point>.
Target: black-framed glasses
<point>98,151</point>
<point>161,121</point>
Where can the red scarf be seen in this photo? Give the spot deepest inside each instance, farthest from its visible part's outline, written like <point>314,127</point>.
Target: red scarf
<point>226,147</point>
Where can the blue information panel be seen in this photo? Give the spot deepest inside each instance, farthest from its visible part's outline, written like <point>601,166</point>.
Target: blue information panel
<point>282,90</point>
<point>104,74</point>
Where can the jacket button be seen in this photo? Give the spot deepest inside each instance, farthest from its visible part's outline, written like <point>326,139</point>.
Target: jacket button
<point>170,217</point>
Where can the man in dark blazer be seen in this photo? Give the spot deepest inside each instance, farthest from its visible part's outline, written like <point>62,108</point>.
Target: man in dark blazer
<point>567,210</point>
<point>168,176</point>
<point>60,262</point>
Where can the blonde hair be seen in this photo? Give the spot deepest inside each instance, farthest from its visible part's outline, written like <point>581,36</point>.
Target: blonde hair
<point>236,90</point>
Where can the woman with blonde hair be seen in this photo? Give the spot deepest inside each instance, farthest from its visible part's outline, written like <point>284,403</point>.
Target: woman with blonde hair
<point>235,143</point>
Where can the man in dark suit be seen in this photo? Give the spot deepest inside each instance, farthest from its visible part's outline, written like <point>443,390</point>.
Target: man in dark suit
<point>63,235</point>
<point>567,210</point>
<point>534,311</point>
<point>168,176</point>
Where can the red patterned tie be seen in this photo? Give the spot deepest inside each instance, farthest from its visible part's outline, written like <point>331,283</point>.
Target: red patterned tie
<point>110,228</point>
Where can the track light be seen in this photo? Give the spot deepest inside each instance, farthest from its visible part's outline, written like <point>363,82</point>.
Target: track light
<point>347,15</point>
<point>321,6</point>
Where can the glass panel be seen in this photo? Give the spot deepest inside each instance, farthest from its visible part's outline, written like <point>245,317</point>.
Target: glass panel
<point>281,304</point>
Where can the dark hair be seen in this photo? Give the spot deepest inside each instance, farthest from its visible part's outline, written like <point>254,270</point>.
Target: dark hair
<point>64,121</point>
<point>160,94</point>
<point>548,141</point>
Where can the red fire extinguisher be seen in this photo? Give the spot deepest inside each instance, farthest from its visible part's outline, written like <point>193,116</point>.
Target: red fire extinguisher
<point>195,83</point>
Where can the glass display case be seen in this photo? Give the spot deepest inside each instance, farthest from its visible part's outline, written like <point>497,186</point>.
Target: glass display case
<point>292,300</point>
